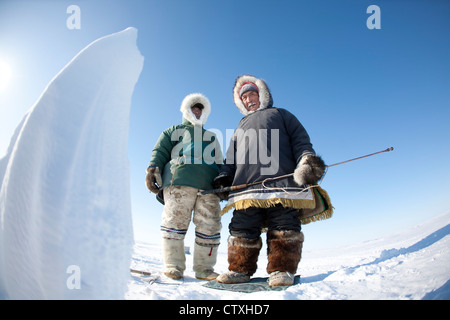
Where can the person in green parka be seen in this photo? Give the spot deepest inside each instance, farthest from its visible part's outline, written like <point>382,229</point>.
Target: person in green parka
<point>185,160</point>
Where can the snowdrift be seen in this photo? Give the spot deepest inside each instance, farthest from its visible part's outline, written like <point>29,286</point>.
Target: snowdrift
<point>65,209</point>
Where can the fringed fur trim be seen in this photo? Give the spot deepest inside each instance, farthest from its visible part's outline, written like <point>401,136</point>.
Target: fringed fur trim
<point>265,97</point>
<point>310,210</point>
<point>318,217</point>
<point>268,203</point>
<point>325,214</point>
<point>189,101</point>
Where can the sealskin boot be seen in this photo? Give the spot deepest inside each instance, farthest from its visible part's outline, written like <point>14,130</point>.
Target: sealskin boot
<point>205,258</point>
<point>281,278</point>
<point>174,258</point>
<point>242,258</point>
<point>284,251</point>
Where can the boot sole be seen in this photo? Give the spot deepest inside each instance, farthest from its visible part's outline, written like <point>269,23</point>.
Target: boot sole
<point>205,278</point>
<point>232,282</point>
<point>172,276</point>
<point>281,284</point>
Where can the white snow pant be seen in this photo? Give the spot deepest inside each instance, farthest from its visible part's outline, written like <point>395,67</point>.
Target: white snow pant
<point>180,201</point>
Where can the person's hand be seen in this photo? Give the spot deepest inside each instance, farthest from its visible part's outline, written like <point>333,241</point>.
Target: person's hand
<point>153,179</point>
<point>220,182</point>
<point>310,170</point>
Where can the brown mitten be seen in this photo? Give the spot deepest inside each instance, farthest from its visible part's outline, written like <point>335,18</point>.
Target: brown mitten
<point>153,179</point>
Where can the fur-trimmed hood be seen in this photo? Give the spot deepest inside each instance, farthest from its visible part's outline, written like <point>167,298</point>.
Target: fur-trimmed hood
<point>265,97</point>
<point>186,108</point>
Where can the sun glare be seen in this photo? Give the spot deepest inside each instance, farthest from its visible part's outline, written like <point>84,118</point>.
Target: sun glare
<point>5,75</point>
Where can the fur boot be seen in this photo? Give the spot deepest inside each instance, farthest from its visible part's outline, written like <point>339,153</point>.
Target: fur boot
<point>242,258</point>
<point>204,260</point>
<point>174,258</point>
<point>309,171</point>
<point>284,251</point>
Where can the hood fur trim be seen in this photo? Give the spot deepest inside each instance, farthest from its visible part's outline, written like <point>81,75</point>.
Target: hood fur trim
<point>187,104</point>
<point>265,97</point>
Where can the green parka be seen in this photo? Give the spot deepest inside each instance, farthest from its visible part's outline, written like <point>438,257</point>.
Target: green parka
<point>187,154</point>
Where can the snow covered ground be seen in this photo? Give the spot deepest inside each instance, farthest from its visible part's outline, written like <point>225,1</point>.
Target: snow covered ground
<point>412,264</point>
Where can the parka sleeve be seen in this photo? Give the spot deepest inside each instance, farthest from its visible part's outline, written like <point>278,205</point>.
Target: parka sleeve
<point>162,151</point>
<point>299,138</point>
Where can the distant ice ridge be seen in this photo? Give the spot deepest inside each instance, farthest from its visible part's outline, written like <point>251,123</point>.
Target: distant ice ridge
<point>65,208</point>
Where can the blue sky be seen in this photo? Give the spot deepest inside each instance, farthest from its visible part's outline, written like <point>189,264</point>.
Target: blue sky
<point>355,90</point>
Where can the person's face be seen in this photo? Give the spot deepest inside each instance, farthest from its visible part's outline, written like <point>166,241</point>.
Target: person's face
<point>197,112</point>
<point>251,100</point>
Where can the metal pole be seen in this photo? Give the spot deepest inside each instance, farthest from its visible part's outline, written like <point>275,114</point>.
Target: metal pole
<point>241,186</point>
<point>372,154</point>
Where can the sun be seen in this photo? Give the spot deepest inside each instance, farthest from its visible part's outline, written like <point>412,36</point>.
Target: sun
<point>5,75</point>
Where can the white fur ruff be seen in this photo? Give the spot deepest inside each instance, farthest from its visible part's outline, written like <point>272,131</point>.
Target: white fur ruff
<point>265,97</point>
<point>189,101</point>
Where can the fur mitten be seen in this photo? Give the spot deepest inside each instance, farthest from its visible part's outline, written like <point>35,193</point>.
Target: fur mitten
<point>153,179</point>
<point>222,181</point>
<point>309,171</point>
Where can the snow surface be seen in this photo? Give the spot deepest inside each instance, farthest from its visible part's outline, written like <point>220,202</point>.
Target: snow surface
<point>412,264</point>
<point>65,208</point>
